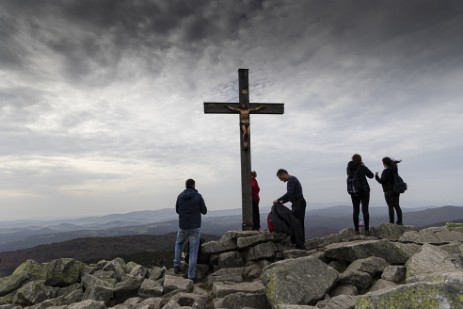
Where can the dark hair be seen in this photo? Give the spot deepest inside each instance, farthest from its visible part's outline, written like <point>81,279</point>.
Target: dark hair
<point>190,183</point>
<point>281,171</point>
<point>357,158</point>
<point>390,162</point>
<point>253,174</point>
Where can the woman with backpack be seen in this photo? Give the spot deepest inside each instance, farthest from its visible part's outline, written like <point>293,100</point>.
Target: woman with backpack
<point>391,196</point>
<point>357,173</point>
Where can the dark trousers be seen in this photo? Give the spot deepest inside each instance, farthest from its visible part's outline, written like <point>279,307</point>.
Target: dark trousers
<point>255,214</point>
<point>298,209</point>
<point>393,203</point>
<point>363,199</point>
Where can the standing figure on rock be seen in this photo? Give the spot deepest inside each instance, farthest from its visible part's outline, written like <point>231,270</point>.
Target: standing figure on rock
<point>294,195</point>
<point>189,206</point>
<point>387,182</point>
<point>255,201</point>
<point>357,173</point>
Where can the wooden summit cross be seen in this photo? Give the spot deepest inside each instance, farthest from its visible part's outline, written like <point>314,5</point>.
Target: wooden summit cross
<point>244,109</point>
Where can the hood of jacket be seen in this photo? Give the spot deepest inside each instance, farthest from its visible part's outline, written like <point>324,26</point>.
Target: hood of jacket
<point>188,194</point>
<point>352,167</point>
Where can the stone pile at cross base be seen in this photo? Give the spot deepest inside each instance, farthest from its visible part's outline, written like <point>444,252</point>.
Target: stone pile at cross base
<point>396,267</point>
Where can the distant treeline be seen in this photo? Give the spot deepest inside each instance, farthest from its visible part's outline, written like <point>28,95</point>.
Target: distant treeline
<point>146,250</point>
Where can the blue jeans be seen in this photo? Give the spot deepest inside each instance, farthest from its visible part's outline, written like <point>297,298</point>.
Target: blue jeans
<point>193,237</point>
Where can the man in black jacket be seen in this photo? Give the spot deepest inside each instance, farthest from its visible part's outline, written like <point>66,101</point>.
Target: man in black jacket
<point>189,206</point>
<point>294,195</point>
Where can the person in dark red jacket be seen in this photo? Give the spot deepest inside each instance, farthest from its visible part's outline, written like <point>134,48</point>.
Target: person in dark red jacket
<point>255,201</point>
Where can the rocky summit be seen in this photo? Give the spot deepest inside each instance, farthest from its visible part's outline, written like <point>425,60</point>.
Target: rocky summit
<point>394,267</point>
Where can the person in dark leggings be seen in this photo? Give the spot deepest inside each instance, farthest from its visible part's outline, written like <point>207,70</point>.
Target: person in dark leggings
<point>387,182</point>
<point>356,168</point>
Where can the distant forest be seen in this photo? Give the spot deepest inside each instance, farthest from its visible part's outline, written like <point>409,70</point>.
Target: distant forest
<point>146,250</point>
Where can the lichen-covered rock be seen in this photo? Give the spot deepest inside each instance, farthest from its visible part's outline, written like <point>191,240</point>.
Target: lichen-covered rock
<point>361,249</point>
<point>283,279</point>
<point>127,288</point>
<point>344,289</point>
<point>88,304</point>
<point>231,259</point>
<point>372,265</point>
<point>391,231</point>
<point>394,273</point>
<point>151,288</point>
<point>90,280</point>
<point>241,300</point>
<point>222,289</point>
<point>118,266</point>
<point>226,243</point>
<point>341,302</point>
<point>63,300</point>
<point>27,271</point>
<point>157,273</point>
<point>456,227</point>
<point>186,300</point>
<point>98,293</point>
<point>434,235</point>
<point>137,271</point>
<point>63,272</point>
<point>430,259</point>
<point>172,283</point>
<point>291,306</point>
<point>381,284</point>
<point>261,251</point>
<point>253,239</point>
<point>34,292</point>
<point>360,279</point>
<point>434,292</point>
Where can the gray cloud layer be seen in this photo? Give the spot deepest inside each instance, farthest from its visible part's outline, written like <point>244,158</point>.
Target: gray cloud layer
<point>101,101</point>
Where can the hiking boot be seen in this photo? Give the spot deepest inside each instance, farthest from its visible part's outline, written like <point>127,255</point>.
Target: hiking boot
<point>176,270</point>
<point>367,233</point>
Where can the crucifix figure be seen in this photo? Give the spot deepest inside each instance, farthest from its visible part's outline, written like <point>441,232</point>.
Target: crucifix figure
<point>244,120</point>
<point>244,109</point>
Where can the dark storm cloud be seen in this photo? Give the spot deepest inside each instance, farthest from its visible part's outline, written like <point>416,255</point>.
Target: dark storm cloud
<point>89,35</point>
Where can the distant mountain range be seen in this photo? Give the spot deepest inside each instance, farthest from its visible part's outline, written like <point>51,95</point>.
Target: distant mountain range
<point>319,222</point>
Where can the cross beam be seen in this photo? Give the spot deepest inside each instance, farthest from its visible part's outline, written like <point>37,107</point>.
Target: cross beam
<point>244,108</point>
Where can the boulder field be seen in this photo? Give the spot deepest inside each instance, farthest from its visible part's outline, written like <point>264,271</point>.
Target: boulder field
<point>394,267</point>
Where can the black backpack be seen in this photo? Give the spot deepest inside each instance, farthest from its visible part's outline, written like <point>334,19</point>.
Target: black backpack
<point>399,185</point>
<point>354,183</point>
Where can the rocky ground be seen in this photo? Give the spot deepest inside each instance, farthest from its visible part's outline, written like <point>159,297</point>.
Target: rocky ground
<point>395,267</point>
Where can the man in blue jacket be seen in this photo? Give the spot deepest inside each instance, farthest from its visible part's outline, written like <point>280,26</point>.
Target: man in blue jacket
<point>190,205</point>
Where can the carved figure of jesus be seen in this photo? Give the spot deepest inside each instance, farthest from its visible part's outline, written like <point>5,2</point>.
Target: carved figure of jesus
<point>244,120</point>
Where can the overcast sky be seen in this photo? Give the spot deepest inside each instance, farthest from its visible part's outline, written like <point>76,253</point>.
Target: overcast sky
<point>101,101</point>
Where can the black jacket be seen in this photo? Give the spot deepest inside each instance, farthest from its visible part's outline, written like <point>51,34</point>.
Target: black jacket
<point>363,173</point>
<point>387,179</point>
<point>284,221</point>
<point>190,205</point>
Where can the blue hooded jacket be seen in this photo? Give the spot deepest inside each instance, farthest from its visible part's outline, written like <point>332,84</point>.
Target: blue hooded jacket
<point>190,205</point>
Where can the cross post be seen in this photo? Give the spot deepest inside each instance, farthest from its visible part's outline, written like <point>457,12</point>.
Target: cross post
<point>244,108</point>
